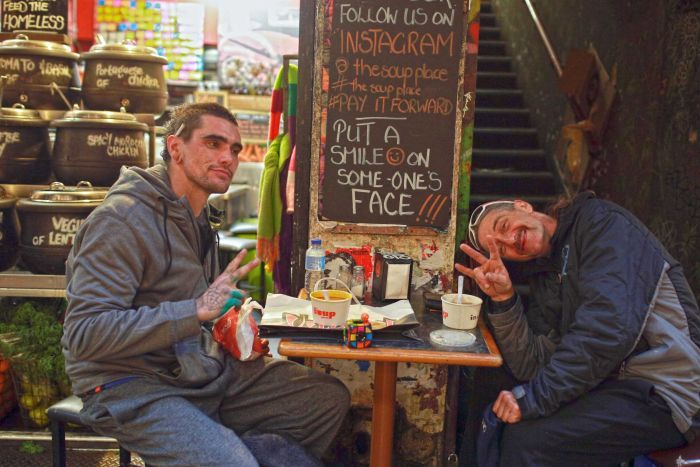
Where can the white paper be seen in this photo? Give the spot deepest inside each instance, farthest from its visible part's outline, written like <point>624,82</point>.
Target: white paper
<point>277,304</point>
<point>397,281</point>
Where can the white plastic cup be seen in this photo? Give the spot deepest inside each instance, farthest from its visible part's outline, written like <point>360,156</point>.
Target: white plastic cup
<point>463,315</point>
<point>333,310</point>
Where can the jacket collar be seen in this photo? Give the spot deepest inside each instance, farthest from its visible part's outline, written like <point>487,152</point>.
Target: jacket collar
<point>565,221</point>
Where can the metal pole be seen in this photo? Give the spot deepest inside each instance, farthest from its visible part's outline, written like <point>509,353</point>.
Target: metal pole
<point>547,45</point>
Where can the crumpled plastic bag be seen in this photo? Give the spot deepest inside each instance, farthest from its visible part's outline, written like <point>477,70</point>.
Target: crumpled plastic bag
<point>237,332</point>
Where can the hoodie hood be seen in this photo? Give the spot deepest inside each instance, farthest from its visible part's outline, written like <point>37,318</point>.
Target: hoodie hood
<point>150,186</point>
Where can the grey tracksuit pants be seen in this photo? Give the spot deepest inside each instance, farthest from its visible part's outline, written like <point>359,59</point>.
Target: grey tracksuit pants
<point>174,426</point>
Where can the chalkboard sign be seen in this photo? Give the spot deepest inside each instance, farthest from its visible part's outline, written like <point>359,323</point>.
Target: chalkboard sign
<point>34,15</point>
<point>390,87</point>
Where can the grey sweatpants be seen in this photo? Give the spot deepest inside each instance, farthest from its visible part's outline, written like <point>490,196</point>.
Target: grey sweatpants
<point>173,426</point>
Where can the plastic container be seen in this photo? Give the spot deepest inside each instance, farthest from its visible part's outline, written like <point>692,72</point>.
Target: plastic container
<point>358,282</point>
<point>314,264</point>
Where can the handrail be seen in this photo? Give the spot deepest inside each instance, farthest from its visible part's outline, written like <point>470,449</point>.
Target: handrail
<point>547,45</point>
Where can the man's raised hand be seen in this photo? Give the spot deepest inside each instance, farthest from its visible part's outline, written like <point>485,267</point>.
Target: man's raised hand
<point>222,293</point>
<point>491,275</point>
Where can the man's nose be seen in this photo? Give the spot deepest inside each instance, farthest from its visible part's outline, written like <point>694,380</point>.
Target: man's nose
<point>227,158</point>
<point>504,238</point>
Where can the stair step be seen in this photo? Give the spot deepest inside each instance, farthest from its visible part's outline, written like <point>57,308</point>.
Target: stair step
<point>486,7</point>
<point>493,63</point>
<point>514,182</point>
<point>513,138</point>
<point>489,47</point>
<point>496,80</point>
<point>539,202</point>
<point>500,98</point>
<point>509,159</point>
<point>502,117</point>
<point>487,19</point>
<point>489,33</point>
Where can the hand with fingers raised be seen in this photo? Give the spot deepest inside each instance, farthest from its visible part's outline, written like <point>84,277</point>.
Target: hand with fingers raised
<point>222,294</point>
<point>491,275</point>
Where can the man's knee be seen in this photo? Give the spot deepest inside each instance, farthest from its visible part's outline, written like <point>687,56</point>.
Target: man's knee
<point>520,442</point>
<point>337,395</point>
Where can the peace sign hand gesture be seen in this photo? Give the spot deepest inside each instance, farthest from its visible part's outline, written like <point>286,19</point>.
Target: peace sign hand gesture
<point>491,275</point>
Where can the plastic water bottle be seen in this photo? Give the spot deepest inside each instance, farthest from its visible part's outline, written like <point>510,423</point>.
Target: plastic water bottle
<point>315,264</point>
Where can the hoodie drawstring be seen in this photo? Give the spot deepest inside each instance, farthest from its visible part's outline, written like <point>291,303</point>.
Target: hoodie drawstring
<point>165,234</point>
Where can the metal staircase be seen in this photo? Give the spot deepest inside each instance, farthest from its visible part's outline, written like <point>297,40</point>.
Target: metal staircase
<point>507,161</point>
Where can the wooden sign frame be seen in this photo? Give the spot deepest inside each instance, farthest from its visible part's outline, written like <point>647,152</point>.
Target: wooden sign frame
<point>441,131</point>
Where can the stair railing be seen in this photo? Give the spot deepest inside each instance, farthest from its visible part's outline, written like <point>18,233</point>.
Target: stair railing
<point>545,39</point>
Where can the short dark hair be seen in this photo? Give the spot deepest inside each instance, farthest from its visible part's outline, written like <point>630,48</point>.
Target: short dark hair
<point>186,118</point>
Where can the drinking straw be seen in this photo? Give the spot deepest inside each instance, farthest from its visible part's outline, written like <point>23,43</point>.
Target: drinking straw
<point>460,287</point>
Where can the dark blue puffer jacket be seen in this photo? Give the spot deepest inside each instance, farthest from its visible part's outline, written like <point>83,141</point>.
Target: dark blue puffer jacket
<point>609,301</point>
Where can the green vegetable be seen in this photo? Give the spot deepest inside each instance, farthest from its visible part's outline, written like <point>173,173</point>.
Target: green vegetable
<point>30,336</point>
<point>30,447</point>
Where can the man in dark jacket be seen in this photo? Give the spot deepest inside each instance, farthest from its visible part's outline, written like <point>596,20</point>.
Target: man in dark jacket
<point>143,288</point>
<point>607,352</point>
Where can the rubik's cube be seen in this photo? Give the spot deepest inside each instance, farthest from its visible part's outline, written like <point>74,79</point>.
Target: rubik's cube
<point>357,333</point>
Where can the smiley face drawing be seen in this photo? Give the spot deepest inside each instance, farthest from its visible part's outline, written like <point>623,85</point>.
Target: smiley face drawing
<point>395,156</point>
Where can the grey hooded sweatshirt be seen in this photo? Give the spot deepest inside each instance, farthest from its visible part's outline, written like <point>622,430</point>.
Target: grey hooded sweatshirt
<point>136,266</point>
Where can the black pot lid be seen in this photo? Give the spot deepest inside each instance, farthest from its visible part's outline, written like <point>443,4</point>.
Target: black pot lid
<point>82,118</point>
<point>125,51</point>
<point>22,43</point>
<point>18,112</point>
<point>57,192</point>
<point>92,115</point>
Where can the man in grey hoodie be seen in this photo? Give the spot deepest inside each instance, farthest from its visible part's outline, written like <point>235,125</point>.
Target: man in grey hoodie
<point>143,288</point>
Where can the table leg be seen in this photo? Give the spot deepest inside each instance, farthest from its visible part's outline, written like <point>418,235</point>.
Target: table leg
<point>383,414</point>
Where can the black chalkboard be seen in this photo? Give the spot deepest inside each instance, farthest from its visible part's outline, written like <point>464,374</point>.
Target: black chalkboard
<point>390,88</point>
<point>34,15</point>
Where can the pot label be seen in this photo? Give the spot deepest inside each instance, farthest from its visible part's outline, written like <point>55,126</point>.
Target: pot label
<point>8,137</point>
<point>23,69</point>
<point>117,146</point>
<point>135,76</point>
<point>64,230</point>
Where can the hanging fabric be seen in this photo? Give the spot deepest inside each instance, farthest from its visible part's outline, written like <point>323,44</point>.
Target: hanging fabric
<point>271,208</point>
<point>276,239</point>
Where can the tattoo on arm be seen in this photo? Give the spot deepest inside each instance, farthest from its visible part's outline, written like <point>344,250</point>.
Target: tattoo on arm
<point>213,298</point>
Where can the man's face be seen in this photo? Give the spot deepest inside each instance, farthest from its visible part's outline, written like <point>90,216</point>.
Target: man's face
<point>210,157</point>
<point>519,233</point>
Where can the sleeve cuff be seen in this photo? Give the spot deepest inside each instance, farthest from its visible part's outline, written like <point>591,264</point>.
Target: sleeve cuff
<point>500,307</point>
<point>186,323</point>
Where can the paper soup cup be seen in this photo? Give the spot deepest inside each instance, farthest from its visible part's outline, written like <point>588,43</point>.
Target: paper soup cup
<point>463,315</point>
<point>331,312</point>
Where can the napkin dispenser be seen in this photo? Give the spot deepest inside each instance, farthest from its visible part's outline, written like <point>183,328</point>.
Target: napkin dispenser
<point>392,276</point>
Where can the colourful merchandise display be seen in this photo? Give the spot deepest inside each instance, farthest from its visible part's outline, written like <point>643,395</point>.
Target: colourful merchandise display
<point>174,29</point>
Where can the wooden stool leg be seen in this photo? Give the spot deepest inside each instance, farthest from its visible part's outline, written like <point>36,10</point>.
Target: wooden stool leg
<point>124,457</point>
<point>58,443</point>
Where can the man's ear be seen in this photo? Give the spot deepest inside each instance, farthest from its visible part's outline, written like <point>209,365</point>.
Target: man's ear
<point>173,144</point>
<point>523,205</point>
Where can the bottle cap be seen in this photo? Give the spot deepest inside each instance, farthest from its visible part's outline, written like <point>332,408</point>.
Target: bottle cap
<point>315,241</point>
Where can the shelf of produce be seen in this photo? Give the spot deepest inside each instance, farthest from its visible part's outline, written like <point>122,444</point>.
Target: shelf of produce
<point>25,284</point>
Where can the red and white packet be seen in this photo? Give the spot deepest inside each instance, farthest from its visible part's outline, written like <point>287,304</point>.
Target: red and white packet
<point>237,332</point>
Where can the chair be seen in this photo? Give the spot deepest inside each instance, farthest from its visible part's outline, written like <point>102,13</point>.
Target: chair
<point>684,455</point>
<point>68,411</point>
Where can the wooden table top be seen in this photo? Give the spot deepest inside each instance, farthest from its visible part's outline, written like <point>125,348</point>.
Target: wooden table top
<point>483,353</point>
